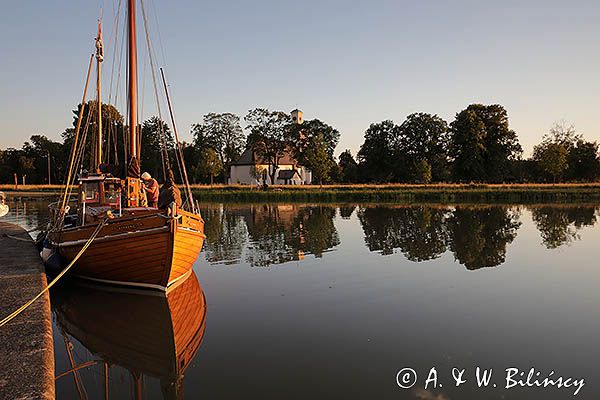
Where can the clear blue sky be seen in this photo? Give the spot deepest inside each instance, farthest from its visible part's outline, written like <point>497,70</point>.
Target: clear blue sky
<point>347,63</point>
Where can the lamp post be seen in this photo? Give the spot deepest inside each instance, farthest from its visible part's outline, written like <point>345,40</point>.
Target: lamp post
<point>49,180</point>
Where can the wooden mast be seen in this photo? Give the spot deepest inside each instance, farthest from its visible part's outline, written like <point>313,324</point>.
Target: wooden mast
<point>133,140</point>
<point>134,190</point>
<point>99,59</point>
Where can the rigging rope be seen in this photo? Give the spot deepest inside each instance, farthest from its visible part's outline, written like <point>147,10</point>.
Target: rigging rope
<point>15,313</point>
<point>163,140</point>
<point>115,34</point>
<point>68,182</point>
<point>186,182</point>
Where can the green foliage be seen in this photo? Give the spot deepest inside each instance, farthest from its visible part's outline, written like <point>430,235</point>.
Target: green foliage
<point>155,135</point>
<point>223,133</point>
<point>312,144</point>
<point>318,159</point>
<point>422,171</point>
<point>210,165</point>
<point>32,160</point>
<point>424,141</point>
<point>113,133</point>
<point>482,145</point>
<point>584,162</point>
<point>379,154</point>
<point>269,131</point>
<point>552,159</point>
<point>301,136</point>
<point>563,153</point>
<point>348,167</point>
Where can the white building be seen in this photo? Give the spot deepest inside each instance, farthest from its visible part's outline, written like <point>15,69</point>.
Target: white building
<point>251,170</point>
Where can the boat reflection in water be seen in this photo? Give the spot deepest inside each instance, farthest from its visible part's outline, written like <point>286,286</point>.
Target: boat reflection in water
<point>148,334</point>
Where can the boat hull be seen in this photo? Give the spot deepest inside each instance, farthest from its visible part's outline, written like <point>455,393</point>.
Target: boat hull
<point>148,249</point>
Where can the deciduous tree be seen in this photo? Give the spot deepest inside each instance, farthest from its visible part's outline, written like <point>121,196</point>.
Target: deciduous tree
<point>348,167</point>
<point>483,145</point>
<point>269,133</point>
<point>424,138</point>
<point>222,132</point>
<point>379,155</point>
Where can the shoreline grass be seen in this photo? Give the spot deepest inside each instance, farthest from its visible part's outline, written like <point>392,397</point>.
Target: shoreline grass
<point>405,193</point>
<point>371,193</point>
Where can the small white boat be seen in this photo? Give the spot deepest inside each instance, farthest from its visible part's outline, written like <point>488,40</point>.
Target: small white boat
<point>3,205</point>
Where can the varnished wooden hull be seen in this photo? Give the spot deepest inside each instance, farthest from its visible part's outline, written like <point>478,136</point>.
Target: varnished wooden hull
<point>154,335</point>
<point>147,249</point>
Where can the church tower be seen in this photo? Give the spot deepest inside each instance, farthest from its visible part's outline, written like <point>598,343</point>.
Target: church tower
<point>297,116</point>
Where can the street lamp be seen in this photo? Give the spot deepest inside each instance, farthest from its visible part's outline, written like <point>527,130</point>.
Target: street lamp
<point>49,180</point>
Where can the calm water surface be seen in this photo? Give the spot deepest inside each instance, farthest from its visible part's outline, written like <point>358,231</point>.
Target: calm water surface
<point>331,301</point>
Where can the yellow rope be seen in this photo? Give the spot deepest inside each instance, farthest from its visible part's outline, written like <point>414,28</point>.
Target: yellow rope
<point>64,271</point>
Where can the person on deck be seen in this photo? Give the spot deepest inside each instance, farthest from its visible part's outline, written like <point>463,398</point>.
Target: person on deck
<point>151,187</point>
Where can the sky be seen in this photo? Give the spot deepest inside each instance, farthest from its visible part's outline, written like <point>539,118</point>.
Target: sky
<point>347,63</point>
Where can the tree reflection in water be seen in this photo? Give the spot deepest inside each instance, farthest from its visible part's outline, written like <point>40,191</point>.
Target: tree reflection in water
<point>478,236</point>
<point>419,232</point>
<point>269,234</point>
<point>560,225</point>
<point>226,235</point>
<point>346,211</point>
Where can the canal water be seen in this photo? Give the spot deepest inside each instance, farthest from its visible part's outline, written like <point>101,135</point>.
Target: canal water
<point>334,301</point>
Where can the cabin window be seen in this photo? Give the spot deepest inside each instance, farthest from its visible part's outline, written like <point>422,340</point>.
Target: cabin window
<point>111,193</point>
<point>91,191</point>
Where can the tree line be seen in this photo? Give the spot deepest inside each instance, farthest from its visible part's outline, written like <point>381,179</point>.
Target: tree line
<point>477,146</point>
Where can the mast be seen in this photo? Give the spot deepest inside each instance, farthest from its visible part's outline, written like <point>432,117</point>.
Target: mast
<point>133,140</point>
<point>99,59</point>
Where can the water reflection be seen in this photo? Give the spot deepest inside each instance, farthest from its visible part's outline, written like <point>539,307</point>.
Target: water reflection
<point>360,305</point>
<point>145,333</point>
<point>226,235</point>
<point>478,236</point>
<point>561,225</point>
<point>264,235</point>
<point>268,234</point>
<point>419,232</point>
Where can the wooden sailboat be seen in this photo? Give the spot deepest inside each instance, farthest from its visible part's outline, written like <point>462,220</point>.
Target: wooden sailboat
<point>137,245</point>
<point>150,335</point>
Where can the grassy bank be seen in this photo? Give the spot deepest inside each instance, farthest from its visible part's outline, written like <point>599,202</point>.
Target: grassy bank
<point>31,191</point>
<point>443,193</point>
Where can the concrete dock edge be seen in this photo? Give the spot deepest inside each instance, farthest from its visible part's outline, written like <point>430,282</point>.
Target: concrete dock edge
<point>26,349</point>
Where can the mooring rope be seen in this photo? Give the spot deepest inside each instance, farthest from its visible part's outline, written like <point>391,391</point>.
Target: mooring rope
<point>64,271</point>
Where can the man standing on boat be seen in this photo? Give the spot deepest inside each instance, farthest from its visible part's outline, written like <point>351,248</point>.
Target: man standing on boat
<point>151,187</point>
